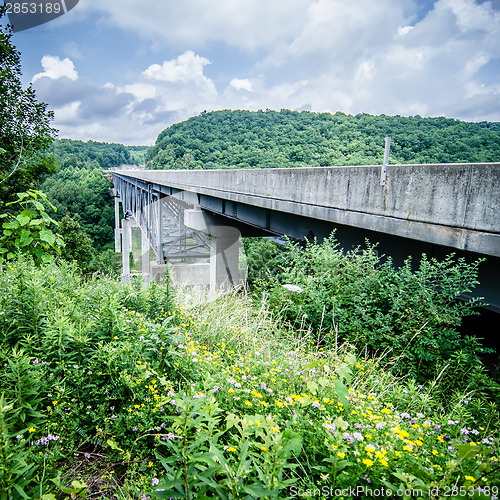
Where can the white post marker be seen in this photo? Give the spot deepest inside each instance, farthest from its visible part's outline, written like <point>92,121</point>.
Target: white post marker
<point>383,172</point>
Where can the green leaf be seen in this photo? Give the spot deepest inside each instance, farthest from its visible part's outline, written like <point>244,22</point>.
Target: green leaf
<point>20,491</point>
<point>166,493</point>
<point>342,393</point>
<point>312,386</point>
<point>293,445</point>
<point>207,458</point>
<point>257,490</point>
<point>39,206</point>
<point>36,222</point>
<point>467,450</point>
<point>26,239</point>
<point>113,445</point>
<point>23,219</point>
<point>47,236</point>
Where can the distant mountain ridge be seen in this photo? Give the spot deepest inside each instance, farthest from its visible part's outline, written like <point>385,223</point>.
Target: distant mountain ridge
<point>108,155</point>
<point>263,139</point>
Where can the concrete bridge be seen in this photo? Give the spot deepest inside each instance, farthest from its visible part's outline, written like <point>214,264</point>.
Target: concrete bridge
<point>407,209</point>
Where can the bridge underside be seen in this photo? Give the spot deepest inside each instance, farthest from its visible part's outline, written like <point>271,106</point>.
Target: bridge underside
<point>195,249</point>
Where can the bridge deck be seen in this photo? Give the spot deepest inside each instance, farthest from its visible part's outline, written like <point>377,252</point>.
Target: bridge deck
<point>454,205</point>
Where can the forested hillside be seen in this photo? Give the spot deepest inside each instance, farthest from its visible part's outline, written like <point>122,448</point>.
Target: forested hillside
<point>262,139</point>
<point>108,155</point>
<point>81,194</point>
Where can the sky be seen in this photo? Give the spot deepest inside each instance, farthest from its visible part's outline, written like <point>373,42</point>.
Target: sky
<point>124,70</point>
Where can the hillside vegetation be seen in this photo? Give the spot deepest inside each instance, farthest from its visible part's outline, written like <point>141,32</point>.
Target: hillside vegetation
<point>107,155</point>
<point>262,139</point>
<point>118,391</point>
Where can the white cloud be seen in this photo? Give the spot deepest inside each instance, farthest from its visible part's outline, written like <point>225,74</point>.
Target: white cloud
<point>55,68</point>
<point>323,55</point>
<point>404,30</point>
<point>186,68</point>
<point>249,24</point>
<point>241,84</point>
<point>141,91</point>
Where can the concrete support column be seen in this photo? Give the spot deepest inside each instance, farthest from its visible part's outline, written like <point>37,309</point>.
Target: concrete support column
<point>126,249</point>
<point>146,275</point>
<point>158,271</point>
<point>224,250</point>
<point>118,247</point>
<point>224,258</point>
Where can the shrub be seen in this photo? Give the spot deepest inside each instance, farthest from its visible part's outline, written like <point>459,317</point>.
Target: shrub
<point>359,297</point>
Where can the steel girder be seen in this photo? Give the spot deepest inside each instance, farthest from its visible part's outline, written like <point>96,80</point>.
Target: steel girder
<point>160,216</point>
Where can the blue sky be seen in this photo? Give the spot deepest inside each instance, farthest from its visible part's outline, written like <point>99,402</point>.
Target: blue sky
<point>123,70</point>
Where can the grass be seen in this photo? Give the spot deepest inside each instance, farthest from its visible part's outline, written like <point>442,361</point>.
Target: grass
<point>219,400</point>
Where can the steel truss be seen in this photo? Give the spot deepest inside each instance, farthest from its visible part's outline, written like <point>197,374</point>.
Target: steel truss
<point>159,212</point>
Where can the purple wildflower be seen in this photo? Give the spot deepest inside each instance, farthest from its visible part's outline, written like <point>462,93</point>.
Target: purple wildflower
<point>348,437</point>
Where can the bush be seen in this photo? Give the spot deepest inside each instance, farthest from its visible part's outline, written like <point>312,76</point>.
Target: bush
<point>361,298</point>
<point>115,390</point>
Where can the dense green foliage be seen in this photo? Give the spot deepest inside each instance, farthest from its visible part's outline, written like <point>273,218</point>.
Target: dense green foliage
<point>359,296</point>
<point>77,244</point>
<point>82,191</point>
<point>245,139</point>
<point>138,154</point>
<point>118,391</point>
<point>108,155</point>
<point>25,132</point>
<point>29,229</point>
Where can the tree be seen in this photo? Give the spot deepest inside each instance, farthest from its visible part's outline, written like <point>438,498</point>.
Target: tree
<point>25,132</point>
<point>29,232</point>
<point>77,245</point>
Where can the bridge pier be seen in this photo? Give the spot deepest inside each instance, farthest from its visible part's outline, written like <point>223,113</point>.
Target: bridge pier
<point>145,268</point>
<point>189,263</point>
<point>224,250</point>
<point>118,245</point>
